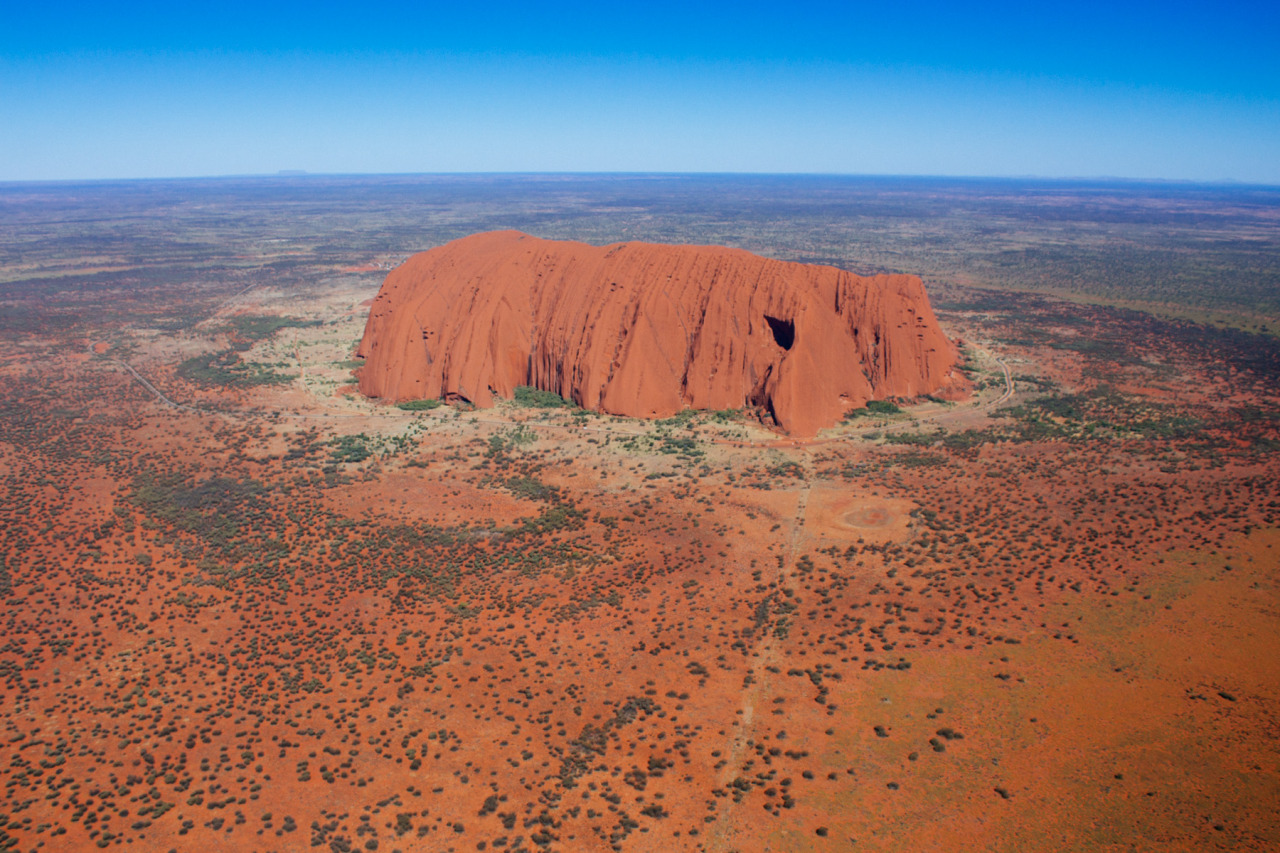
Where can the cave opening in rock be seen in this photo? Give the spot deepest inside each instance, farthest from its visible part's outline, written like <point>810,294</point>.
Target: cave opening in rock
<point>784,331</point>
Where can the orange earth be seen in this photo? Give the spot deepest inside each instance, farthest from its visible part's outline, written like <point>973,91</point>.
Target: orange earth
<point>269,617</point>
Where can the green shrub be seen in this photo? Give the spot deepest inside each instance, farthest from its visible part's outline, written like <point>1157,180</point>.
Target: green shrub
<point>419,405</point>
<point>874,408</point>
<point>536,398</point>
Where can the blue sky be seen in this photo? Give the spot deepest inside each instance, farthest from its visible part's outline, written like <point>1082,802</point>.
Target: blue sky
<point>1185,91</point>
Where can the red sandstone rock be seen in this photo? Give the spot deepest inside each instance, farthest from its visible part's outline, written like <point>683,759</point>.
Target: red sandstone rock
<point>646,330</point>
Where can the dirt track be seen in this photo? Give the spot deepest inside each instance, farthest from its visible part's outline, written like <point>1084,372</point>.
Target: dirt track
<point>938,418</point>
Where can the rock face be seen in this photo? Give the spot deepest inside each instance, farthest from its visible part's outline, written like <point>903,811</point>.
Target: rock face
<point>646,330</point>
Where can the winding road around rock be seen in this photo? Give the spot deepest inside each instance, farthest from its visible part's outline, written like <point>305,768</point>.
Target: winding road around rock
<point>160,395</point>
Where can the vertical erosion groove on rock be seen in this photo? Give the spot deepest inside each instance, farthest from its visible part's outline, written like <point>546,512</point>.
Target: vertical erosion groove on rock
<point>646,330</point>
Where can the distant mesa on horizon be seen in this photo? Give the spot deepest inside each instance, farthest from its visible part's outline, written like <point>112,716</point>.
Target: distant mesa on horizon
<point>646,330</point>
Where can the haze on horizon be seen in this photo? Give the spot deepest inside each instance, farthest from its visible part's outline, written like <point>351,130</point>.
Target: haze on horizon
<point>1179,91</point>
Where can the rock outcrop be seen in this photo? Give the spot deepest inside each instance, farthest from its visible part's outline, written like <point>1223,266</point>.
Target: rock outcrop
<point>647,330</point>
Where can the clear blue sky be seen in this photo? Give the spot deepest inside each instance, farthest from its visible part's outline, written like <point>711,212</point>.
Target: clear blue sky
<point>1146,90</point>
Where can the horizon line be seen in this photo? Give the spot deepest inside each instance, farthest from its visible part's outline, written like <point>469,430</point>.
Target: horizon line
<point>301,174</point>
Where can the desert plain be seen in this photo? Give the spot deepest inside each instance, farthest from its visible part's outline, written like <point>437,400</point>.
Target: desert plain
<point>246,608</point>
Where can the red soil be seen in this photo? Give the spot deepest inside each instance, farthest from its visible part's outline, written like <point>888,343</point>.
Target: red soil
<point>645,330</point>
<point>504,631</point>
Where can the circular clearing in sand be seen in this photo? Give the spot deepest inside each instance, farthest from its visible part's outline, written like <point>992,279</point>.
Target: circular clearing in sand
<point>868,517</point>
<point>844,516</point>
